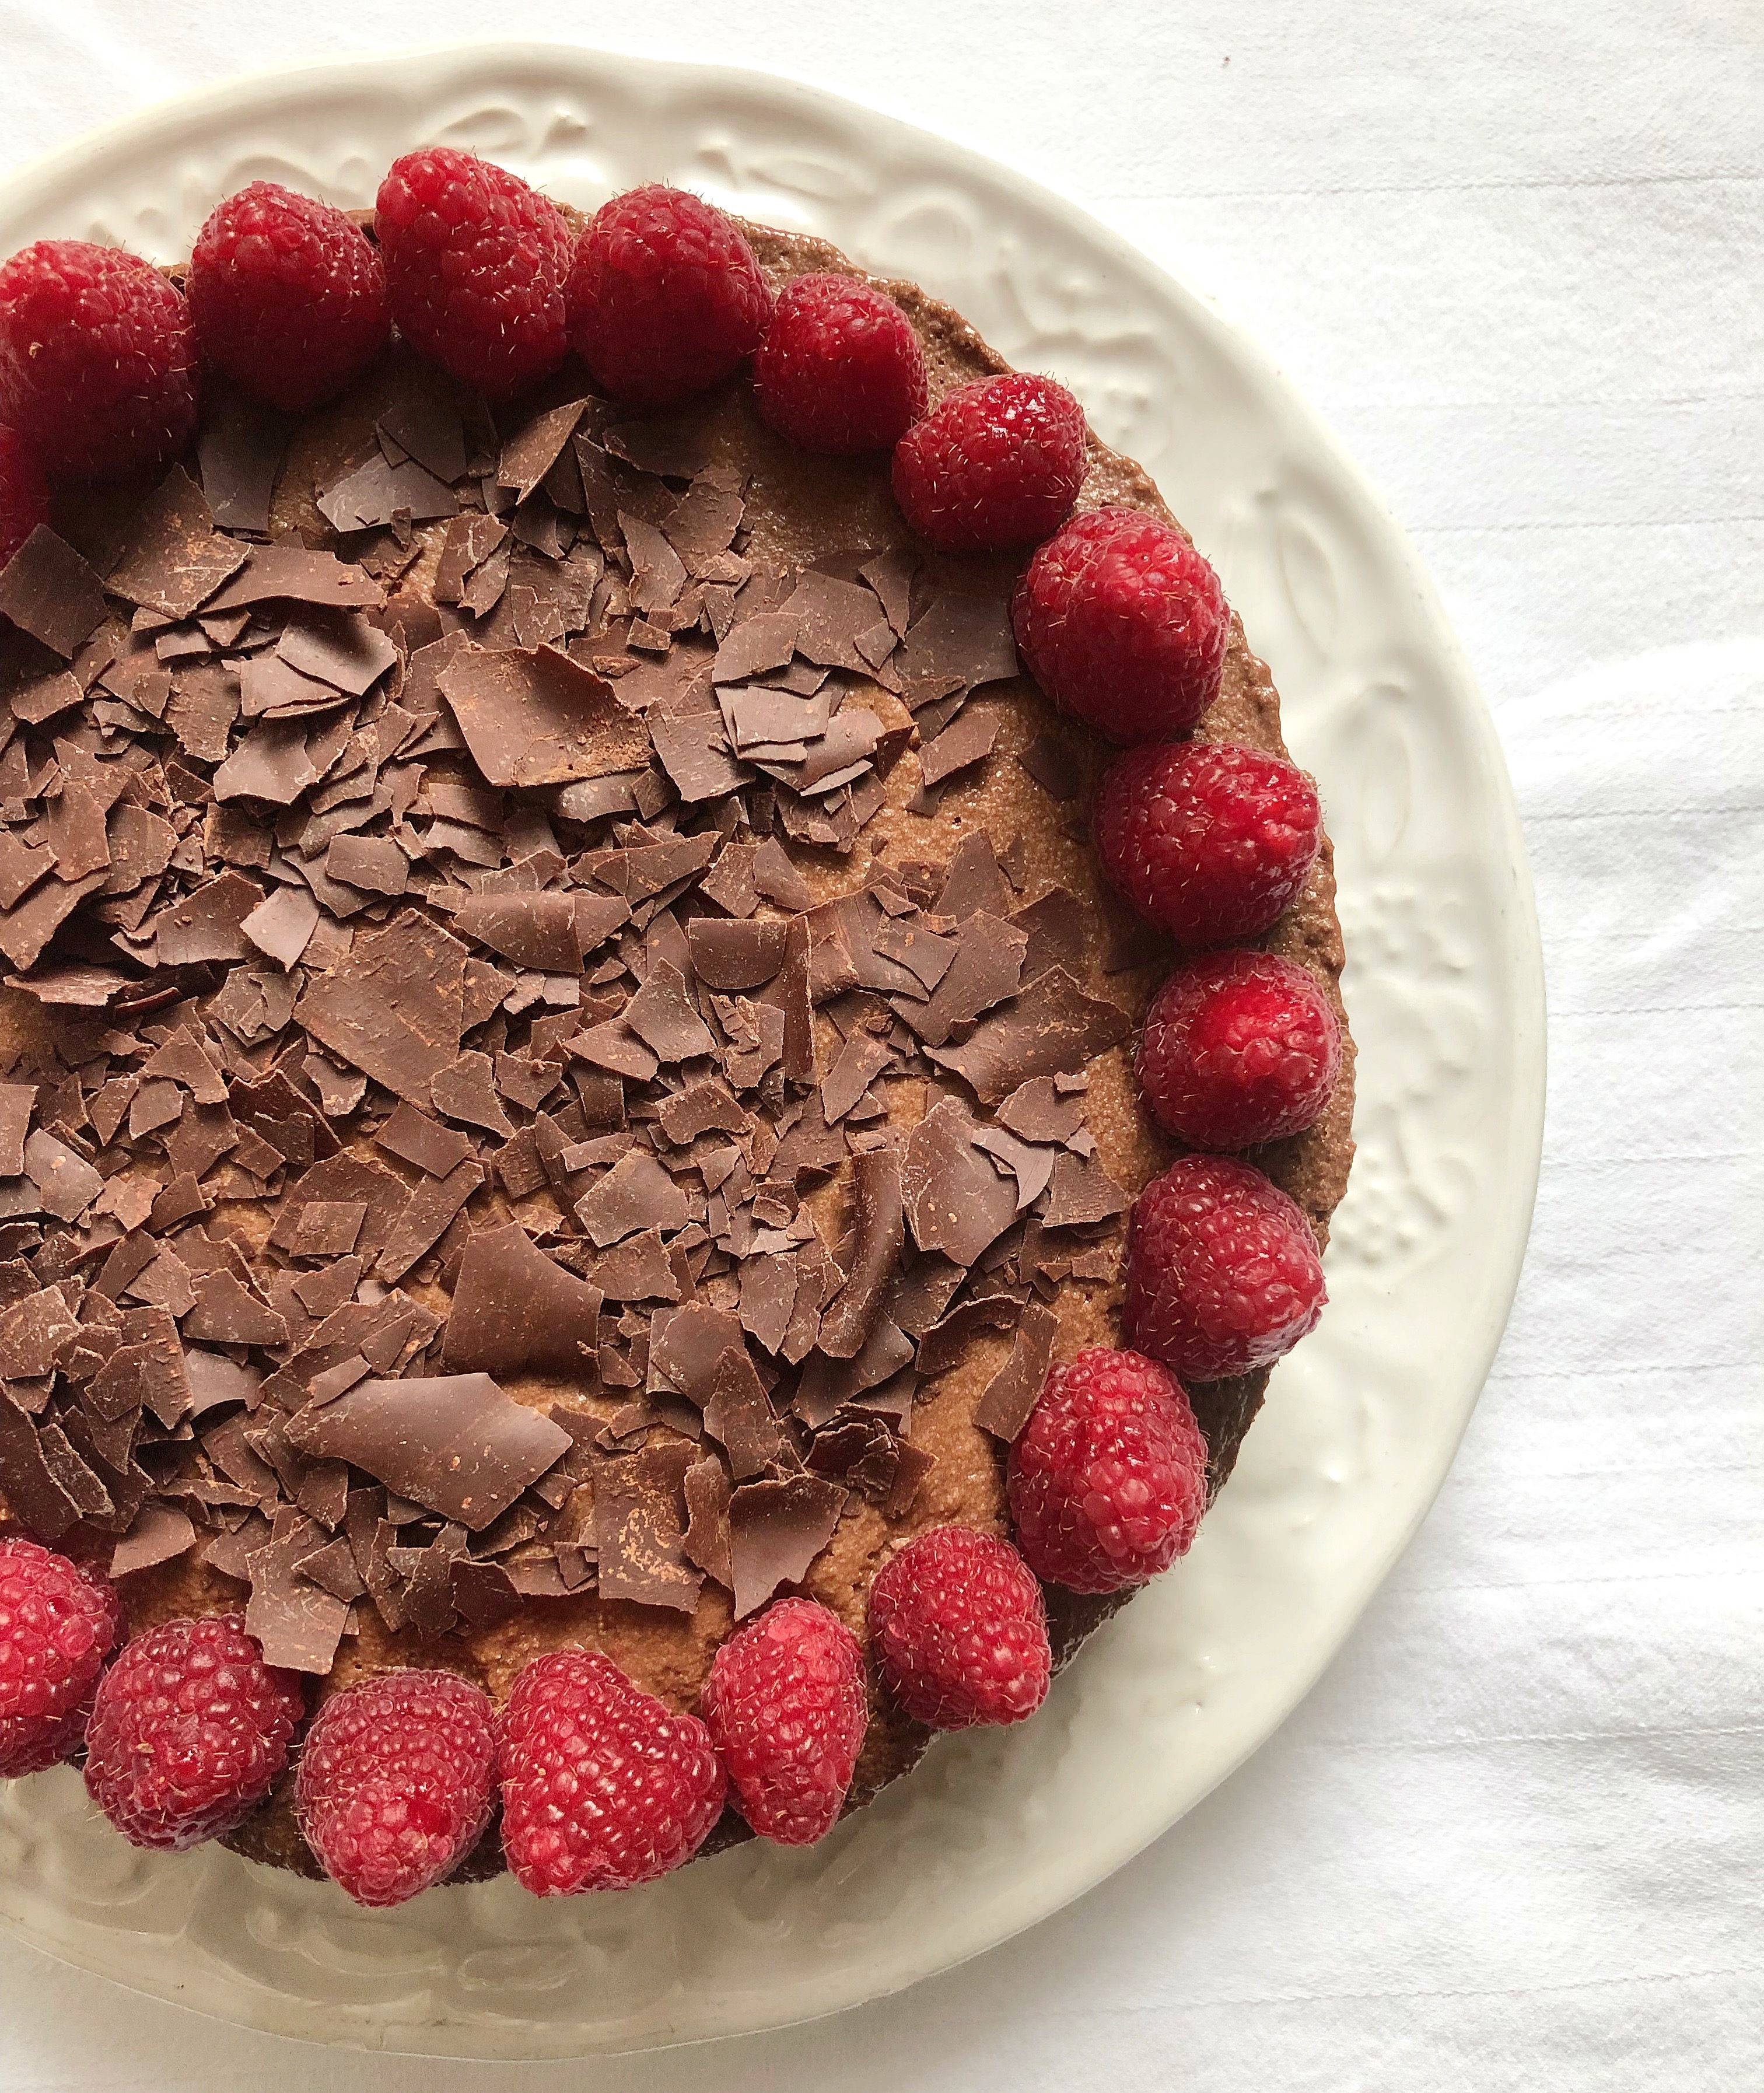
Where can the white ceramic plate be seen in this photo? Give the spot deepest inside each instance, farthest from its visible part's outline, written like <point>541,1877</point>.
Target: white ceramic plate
<point>1444,984</point>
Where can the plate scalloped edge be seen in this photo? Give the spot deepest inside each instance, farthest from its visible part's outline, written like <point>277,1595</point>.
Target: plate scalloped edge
<point>996,1831</point>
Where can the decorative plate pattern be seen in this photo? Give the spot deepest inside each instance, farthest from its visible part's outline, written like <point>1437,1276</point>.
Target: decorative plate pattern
<point>1444,983</point>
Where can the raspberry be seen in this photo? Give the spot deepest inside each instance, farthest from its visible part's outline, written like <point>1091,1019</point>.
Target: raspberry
<point>188,1731</point>
<point>1107,1479</point>
<point>840,369</point>
<point>959,1630</point>
<point>995,464</point>
<point>1237,1048</point>
<point>603,1786</point>
<point>24,492</point>
<point>97,359</point>
<point>1222,1270</point>
<point>395,1783</point>
<point>57,1626</point>
<point>785,1702</point>
<point>1209,841</point>
<point>665,297</point>
<point>287,296</point>
<point>1124,624</point>
<point>476,266</point>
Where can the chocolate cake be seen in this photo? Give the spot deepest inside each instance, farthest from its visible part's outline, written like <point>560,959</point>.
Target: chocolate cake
<point>567,1059</point>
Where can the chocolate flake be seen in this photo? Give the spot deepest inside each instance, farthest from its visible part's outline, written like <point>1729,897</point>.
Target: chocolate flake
<point>956,1201</point>
<point>298,1624</point>
<point>239,452</point>
<point>662,1016</point>
<point>293,574</point>
<point>640,1526</point>
<point>879,1234</point>
<point>49,591</point>
<point>534,716</point>
<point>1052,1028</point>
<point>392,1008</point>
<point>174,558</point>
<point>455,1445</point>
<point>705,1541</point>
<point>970,737</point>
<point>161,1533</point>
<point>1014,1390</point>
<point>517,1310</point>
<point>635,1194</point>
<point>1083,1192</point>
<point>424,1221</point>
<point>740,1418</point>
<point>414,1138</point>
<point>534,929</point>
<point>776,1530</point>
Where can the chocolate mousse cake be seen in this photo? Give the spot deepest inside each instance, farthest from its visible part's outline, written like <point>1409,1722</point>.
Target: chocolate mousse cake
<point>567,1056</point>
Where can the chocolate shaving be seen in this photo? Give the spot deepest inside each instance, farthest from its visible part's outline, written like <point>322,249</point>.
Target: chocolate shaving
<point>298,1625</point>
<point>534,716</point>
<point>959,642</point>
<point>413,1137</point>
<point>1052,1028</point>
<point>455,1445</point>
<point>776,1530</point>
<point>49,591</point>
<point>174,558</point>
<point>1036,1111</point>
<point>516,1311</point>
<point>1053,766</point>
<point>392,1008</point>
<point>879,1234</point>
<point>739,1416</point>
<point>536,930</point>
<point>161,1533</point>
<point>1014,1390</point>
<point>638,1269</point>
<point>430,1211</point>
<point>954,1201</point>
<point>290,574</point>
<point>640,1527</point>
<point>969,738</point>
<point>1083,1192</point>
<point>705,1541</point>
<point>661,1015</point>
<point>635,1194</point>
<point>239,452</point>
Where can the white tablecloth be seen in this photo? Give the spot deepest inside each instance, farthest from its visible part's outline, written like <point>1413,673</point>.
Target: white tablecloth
<point>1514,1839</point>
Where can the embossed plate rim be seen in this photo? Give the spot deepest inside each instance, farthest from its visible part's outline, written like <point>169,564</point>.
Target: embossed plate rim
<point>1326,1497</point>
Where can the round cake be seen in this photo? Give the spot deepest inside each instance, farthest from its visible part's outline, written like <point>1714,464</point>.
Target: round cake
<point>568,1057</point>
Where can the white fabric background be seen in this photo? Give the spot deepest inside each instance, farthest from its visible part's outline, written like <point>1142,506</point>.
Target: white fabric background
<point>1513,251</point>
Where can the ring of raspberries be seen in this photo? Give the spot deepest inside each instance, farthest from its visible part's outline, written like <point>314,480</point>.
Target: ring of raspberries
<point>182,1728</point>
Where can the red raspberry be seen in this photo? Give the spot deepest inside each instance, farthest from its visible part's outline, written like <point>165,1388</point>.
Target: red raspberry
<point>665,297</point>
<point>1223,1274</point>
<point>840,369</point>
<point>959,1630</point>
<point>188,1731</point>
<point>475,265</point>
<point>603,1786</point>
<point>1237,1048</point>
<point>785,1702</point>
<point>1209,841</point>
<point>395,1783</point>
<point>24,492</point>
<point>995,464</point>
<point>1124,624</point>
<point>57,1626</point>
<point>1107,1481</point>
<point>288,296</point>
<point>97,359</point>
